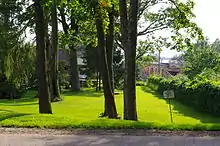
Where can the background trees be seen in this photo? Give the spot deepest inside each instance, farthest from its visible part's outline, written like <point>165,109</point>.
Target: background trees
<point>204,59</point>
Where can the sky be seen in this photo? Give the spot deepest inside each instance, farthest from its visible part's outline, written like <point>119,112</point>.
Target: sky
<point>208,18</point>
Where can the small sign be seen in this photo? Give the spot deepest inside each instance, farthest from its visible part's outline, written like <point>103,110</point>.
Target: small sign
<point>168,94</point>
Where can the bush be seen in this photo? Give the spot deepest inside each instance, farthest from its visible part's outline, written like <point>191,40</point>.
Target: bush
<point>8,91</point>
<point>64,75</point>
<point>199,93</point>
<point>140,83</point>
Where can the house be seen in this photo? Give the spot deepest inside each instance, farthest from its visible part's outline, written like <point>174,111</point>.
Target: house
<point>166,68</point>
<point>63,56</point>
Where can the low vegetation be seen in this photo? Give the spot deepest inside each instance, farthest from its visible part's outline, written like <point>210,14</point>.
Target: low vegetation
<point>200,93</point>
<point>81,110</point>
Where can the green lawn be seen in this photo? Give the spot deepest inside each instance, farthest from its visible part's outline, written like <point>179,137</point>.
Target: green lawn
<point>81,110</point>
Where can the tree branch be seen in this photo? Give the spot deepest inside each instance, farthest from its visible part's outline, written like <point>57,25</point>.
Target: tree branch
<point>139,55</point>
<point>63,20</point>
<point>151,29</point>
<point>143,6</point>
<point>175,4</point>
<point>119,44</point>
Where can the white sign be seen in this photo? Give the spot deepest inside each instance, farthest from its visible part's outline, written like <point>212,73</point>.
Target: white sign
<point>168,94</point>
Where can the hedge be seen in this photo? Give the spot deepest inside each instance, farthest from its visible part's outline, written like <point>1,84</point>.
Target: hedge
<point>201,94</point>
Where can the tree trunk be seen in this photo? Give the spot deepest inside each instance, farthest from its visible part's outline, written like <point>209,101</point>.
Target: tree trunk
<point>109,51</point>
<point>54,51</point>
<point>43,90</point>
<point>100,81</point>
<point>129,42</point>
<point>74,73</point>
<point>109,96</point>
<point>48,54</point>
<point>97,81</point>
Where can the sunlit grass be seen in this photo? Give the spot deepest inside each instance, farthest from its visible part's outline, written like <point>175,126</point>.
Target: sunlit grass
<point>81,110</point>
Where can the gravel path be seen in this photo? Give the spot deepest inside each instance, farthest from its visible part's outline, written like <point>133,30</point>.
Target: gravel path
<point>51,137</point>
<point>122,132</point>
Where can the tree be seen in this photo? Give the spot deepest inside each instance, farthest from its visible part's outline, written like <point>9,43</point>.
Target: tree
<point>128,19</point>
<point>17,57</point>
<point>54,65</point>
<point>43,90</point>
<point>110,107</point>
<point>74,27</point>
<point>10,31</point>
<point>165,16</point>
<point>201,59</point>
<point>216,45</point>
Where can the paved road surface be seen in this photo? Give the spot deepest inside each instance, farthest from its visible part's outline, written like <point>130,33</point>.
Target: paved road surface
<point>73,140</point>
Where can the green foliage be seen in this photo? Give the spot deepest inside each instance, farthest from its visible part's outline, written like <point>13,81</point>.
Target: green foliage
<point>203,59</point>
<point>63,74</point>
<point>199,93</point>
<point>90,58</point>
<point>9,91</point>
<point>172,16</point>
<point>140,83</point>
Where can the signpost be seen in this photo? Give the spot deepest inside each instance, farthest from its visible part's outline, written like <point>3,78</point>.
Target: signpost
<point>169,94</point>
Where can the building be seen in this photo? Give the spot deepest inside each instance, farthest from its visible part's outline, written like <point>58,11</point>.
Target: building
<point>166,68</point>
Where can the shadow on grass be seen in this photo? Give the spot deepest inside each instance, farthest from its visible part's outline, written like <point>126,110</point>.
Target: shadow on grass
<point>84,93</point>
<point>7,114</point>
<point>184,110</point>
<point>19,102</point>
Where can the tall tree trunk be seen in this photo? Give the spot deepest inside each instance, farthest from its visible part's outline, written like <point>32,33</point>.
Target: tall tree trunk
<point>110,46</point>
<point>124,34</point>
<point>43,91</point>
<point>54,60</point>
<point>109,51</point>
<point>48,53</point>
<point>129,42</point>
<point>109,96</point>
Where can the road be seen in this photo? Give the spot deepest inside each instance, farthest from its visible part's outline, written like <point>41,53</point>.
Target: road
<point>105,140</point>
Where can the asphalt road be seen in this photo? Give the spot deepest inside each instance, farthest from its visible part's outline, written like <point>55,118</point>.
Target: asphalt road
<point>87,140</point>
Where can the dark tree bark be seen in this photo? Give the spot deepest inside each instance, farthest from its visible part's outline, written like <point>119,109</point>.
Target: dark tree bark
<point>110,47</point>
<point>100,81</point>
<point>48,53</point>
<point>97,81</point>
<point>54,60</point>
<point>109,96</point>
<point>43,90</point>
<point>129,41</point>
<point>110,51</point>
<point>131,63</point>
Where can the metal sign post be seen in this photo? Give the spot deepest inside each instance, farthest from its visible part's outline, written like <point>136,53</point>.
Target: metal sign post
<point>169,94</point>
<point>171,113</point>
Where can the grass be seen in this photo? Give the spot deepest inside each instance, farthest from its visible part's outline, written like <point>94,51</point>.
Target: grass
<point>81,110</point>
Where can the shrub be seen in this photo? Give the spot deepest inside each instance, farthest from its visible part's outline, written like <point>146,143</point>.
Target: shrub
<point>199,93</point>
<point>8,91</point>
<point>140,83</point>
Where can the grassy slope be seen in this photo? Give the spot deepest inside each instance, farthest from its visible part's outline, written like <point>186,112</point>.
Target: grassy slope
<point>82,110</point>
